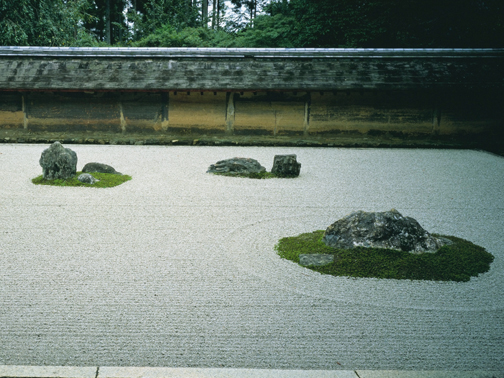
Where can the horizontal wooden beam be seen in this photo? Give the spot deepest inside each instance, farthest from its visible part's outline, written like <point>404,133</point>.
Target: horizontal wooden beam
<point>292,53</point>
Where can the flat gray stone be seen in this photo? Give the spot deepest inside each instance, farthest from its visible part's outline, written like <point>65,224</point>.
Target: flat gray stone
<point>99,167</point>
<point>87,178</point>
<point>236,166</point>
<point>315,259</point>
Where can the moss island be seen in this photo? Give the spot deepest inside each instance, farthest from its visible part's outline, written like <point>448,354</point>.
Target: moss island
<point>107,180</point>
<point>455,262</point>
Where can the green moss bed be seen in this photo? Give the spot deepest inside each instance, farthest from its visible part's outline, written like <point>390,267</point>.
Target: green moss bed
<point>259,175</point>
<point>457,262</point>
<point>107,180</point>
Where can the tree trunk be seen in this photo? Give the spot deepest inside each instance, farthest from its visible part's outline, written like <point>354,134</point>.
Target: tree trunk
<point>108,24</point>
<point>188,11</point>
<point>214,13</point>
<point>253,12</point>
<point>204,12</point>
<point>218,13</point>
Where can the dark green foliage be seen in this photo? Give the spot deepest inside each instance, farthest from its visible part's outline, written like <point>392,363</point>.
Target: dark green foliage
<point>102,16</point>
<point>254,23</point>
<point>268,31</point>
<point>245,12</point>
<point>398,23</point>
<point>107,180</point>
<point>457,262</point>
<point>168,36</point>
<point>36,22</point>
<point>154,16</point>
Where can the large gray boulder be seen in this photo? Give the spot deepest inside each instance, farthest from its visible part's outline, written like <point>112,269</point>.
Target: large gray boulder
<point>58,162</point>
<point>388,229</point>
<point>100,168</point>
<point>236,166</point>
<point>286,166</point>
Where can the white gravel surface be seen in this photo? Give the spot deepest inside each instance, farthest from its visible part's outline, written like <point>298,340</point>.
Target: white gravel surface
<point>177,267</point>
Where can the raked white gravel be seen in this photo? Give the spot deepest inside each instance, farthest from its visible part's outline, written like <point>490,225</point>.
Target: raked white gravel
<point>177,267</point>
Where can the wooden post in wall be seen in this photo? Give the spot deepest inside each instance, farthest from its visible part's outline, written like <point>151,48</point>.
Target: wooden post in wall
<point>230,112</point>
<point>306,121</point>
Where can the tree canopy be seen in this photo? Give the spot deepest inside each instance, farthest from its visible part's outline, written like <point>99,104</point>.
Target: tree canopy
<point>36,22</point>
<point>253,23</point>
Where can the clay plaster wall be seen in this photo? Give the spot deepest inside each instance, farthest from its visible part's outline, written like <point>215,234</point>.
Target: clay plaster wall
<point>252,113</point>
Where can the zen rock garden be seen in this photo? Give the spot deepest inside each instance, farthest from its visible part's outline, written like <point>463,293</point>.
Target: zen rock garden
<point>59,167</point>
<point>283,166</point>
<point>361,244</point>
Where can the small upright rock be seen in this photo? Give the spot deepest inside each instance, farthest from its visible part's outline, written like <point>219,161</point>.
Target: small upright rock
<point>236,166</point>
<point>388,229</point>
<point>58,162</point>
<point>286,166</point>
<point>100,168</point>
<point>87,178</point>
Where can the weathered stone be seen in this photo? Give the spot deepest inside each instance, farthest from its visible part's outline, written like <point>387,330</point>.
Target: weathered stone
<point>388,229</point>
<point>315,259</point>
<point>58,162</point>
<point>99,167</point>
<point>87,178</point>
<point>286,166</point>
<point>236,166</point>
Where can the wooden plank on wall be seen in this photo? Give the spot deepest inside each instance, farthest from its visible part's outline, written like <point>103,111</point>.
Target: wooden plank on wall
<point>471,112</point>
<point>270,113</point>
<point>144,112</point>
<point>73,111</point>
<point>11,111</point>
<point>202,111</point>
<point>365,111</point>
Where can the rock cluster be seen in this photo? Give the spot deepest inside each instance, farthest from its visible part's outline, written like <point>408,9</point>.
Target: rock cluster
<point>387,229</point>
<point>58,162</point>
<point>283,166</point>
<point>236,166</point>
<point>286,166</point>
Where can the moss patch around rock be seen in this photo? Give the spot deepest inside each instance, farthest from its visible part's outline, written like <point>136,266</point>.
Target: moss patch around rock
<point>456,262</point>
<point>259,175</point>
<point>107,180</point>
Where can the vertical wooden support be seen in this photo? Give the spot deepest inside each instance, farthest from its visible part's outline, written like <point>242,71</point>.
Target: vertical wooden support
<point>25,116</point>
<point>122,120</point>
<point>165,105</point>
<point>436,121</point>
<point>230,113</point>
<point>306,121</point>
<point>275,128</point>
